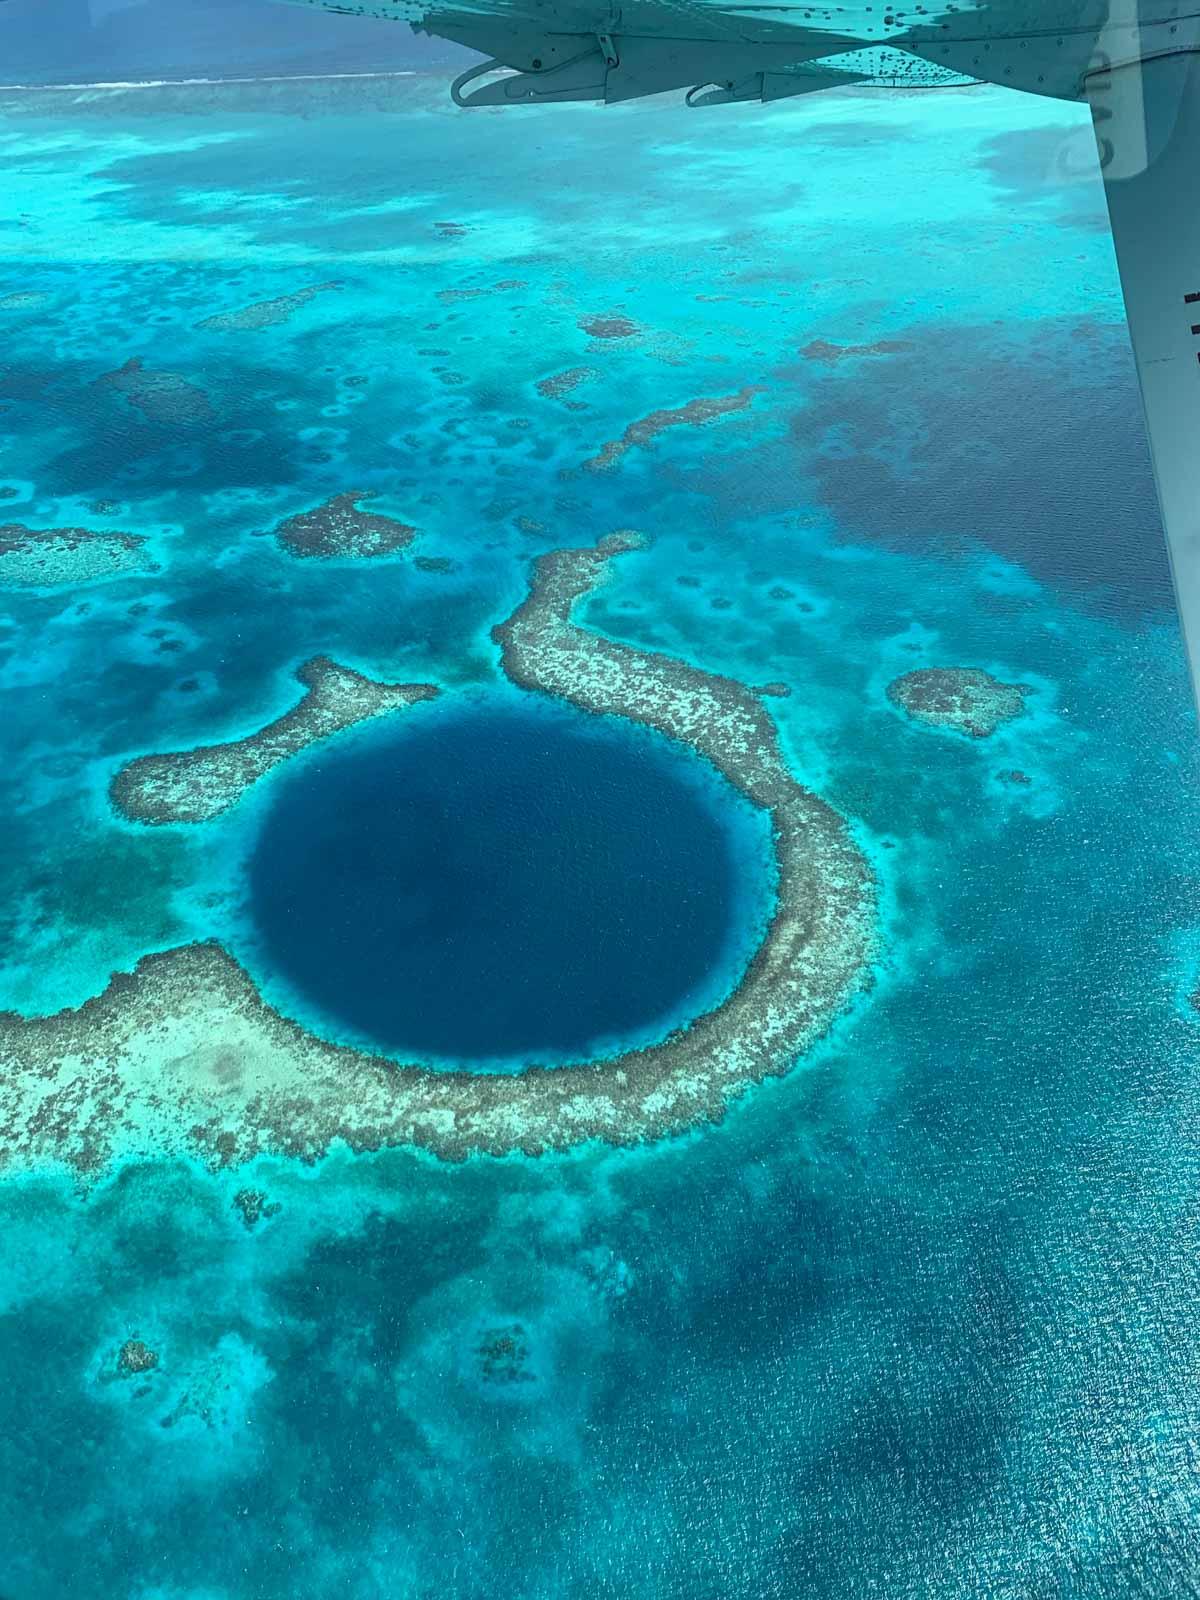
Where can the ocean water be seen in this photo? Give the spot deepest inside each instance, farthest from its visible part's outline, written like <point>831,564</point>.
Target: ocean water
<point>516,882</point>
<point>920,1318</point>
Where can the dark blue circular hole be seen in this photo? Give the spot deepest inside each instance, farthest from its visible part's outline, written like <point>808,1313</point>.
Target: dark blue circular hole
<point>516,882</point>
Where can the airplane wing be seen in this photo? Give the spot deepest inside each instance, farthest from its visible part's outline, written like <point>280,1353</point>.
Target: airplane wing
<point>1147,119</point>
<point>543,51</point>
<point>613,50</point>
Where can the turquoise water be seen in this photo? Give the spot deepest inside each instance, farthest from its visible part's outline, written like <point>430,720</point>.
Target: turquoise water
<point>918,1319</point>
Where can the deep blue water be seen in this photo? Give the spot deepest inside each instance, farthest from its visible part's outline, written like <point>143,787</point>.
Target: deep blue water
<point>499,882</point>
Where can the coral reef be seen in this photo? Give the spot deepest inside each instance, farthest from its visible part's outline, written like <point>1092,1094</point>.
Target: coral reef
<point>822,350</point>
<point>450,297</point>
<point>136,1356</point>
<point>184,1055</point>
<point>161,397</point>
<point>254,1207</point>
<point>613,327</point>
<point>194,785</point>
<point>965,699</point>
<point>693,415</point>
<point>33,558</point>
<point>561,383</point>
<point>340,530</point>
<point>265,313</point>
<point>504,1355</point>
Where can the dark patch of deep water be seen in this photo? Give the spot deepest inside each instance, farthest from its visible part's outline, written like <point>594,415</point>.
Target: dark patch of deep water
<point>515,880</point>
<point>928,456</point>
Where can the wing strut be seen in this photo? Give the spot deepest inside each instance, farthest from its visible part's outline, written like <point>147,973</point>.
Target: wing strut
<point>1147,121</point>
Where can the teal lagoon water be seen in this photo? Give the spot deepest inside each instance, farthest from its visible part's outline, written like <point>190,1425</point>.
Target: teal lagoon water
<point>918,1319</point>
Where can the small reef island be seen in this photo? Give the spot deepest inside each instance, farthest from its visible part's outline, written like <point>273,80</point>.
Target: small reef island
<point>25,300</point>
<point>823,350</point>
<point>32,558</point>
<point>562,383</point>
<point>642,434</point>
<point>339,530</point>
<point>964,699</point>
<point>265,313</point>
<point>183,1055</point>
<point>195,785</point>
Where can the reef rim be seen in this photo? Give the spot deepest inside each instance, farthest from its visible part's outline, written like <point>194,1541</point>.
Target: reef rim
<point>183,1055</point>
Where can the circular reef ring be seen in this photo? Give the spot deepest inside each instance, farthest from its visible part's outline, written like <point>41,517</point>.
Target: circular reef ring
<point>183,1055</point>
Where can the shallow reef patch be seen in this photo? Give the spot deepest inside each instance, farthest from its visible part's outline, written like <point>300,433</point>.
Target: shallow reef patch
<point>25,300</point>
<point>33,558</point>
<point>614,326</point>
<point>195,785</point>
<point>254,1207</point>
<point>264,313</point>
<point>562,383</point>
<point>339,529</point>
<point>824,350</point>
<point>694,414</point>
<point>162,397</point>
<point>136,1356</point>
<point>965,699</point>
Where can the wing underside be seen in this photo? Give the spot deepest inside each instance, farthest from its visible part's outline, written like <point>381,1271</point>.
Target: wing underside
<point>726,52</point>
<point>1147,120</point>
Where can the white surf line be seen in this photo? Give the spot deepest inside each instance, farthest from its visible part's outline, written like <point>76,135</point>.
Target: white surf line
<point>191,83</point>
